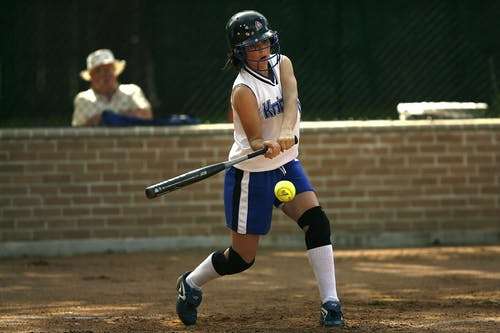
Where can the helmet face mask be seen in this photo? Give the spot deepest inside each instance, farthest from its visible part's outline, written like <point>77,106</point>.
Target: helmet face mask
<point>241,52</point>
<point>245,30</point>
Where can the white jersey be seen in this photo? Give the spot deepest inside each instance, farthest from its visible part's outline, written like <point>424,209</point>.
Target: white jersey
<point>270,101</point>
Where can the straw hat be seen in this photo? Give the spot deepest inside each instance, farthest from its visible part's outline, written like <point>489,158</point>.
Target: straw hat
<point>102,57</point>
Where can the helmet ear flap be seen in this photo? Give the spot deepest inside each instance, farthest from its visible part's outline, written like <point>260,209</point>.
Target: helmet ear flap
<point>239,53</point>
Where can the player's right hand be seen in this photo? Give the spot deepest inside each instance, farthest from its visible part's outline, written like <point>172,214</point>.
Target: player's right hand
<point>273,149</point>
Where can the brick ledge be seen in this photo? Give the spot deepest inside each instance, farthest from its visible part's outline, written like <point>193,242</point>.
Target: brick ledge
<point>306,126</point>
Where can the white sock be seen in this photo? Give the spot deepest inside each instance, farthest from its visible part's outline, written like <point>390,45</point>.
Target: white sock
<point>202,274</point>
<point>322,263</point>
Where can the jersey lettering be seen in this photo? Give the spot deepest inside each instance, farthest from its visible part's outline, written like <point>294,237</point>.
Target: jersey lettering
<point>272,109</point>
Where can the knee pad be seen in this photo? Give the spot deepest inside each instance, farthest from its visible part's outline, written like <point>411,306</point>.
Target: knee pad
<point>316,227</point>
<point>233,264</point>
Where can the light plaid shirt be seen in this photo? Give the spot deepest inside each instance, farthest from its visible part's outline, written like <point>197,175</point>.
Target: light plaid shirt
<point>126,97</point>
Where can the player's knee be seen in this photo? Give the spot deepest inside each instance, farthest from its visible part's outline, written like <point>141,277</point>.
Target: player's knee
<point>316,226</point>
<point>233,264</point>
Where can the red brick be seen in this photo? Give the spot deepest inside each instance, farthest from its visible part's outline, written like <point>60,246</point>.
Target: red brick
<point>85,178</point>
<point>47,212</point>
<point>90,222</point>
<point>117,199</point>
<point>436,171</point>
<point>360,140</point>
<point>12,145</point>
<point>450,159</point>
<point>425,138</point>
<point>82,156</point>
<point>6,224</point>
<point>464,190</point>
<point>12,168</point>
<point>391,161</point>
<point>186,143</point>
<point>432,148</point>
<point>75,234</point>
<point>16,212</point>
<point>73,189</point>
<point>493,189</point>
<point>40,146</point>
<point>460,149</point>
<point>390,138</point>
<point>398,226</point>
<point>70,167</point>
<point>134,232</point>
<point>141,155</point>
<point>479,137</point>
<point>418,181</point>
<point>333,139</point>
<point>27,201</point>
<point>161,143</point>
<point>453,180</point>
<point>109,211</point>
<point>404,149</point>
<point>64,223</point>
<point>165,232</point>
<point>105,233</point>
<point>104,188</point>
<point>111,155</point>
<point>116,177</point>
<point>100,166</point>
<point>47,235</point>
<point>114,222</point>
<point>480,159</point>
<point>76,211</point>
<point>14,190</point>
<point>337,151</point>
<point>56,178</point>
<point>51,156</point>
<point>367,204</point>
<point>70,145</point>
<point>456,139</point>
<point>409,214</point>
<point>100,144</point>
<point>21,156</point>
<point>37,168</point>
<point>421,160</point>
<point>488,148</point>
<point>16,235</point>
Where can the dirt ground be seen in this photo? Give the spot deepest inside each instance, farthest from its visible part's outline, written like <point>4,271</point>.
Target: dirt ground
<point>441,289</point>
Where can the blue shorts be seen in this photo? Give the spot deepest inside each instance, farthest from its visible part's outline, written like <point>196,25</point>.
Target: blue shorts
<point>249,196</point>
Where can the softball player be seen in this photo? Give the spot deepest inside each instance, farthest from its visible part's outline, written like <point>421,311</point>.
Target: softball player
<point>266,112</point>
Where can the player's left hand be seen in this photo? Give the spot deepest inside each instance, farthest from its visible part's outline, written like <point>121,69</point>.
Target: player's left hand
<point>286,139</point>
<point>273,149</point>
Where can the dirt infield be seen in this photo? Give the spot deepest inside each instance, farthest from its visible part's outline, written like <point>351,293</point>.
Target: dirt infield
<point>397,290</point>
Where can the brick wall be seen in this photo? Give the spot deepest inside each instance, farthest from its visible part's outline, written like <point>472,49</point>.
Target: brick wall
<point>383,183</point>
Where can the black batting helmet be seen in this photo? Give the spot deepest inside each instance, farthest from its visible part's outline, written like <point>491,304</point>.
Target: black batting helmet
<point>247,28</point>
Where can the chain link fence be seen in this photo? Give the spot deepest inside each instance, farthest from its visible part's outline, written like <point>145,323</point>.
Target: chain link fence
<point>353,59</point>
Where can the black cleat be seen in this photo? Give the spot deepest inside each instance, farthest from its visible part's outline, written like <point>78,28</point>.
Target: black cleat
<point>188,299</point>
<point>331,314</point>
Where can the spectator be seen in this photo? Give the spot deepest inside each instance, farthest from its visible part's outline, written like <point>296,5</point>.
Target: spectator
<point>106,93</point>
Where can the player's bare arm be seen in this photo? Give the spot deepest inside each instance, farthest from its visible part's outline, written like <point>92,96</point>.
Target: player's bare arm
<point>290,98</point>
<point>245,105</point>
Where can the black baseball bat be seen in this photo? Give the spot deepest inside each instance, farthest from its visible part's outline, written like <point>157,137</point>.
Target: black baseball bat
<point>195,176</point>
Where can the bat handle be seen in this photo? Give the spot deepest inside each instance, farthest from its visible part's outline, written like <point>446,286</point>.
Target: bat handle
<point>262,151</point>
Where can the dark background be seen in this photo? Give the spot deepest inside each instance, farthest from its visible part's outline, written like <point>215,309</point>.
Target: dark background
<point>354,59</point>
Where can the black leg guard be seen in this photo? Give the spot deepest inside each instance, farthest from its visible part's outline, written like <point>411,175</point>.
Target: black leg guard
<point>316,227</point>
<point>233,264</point>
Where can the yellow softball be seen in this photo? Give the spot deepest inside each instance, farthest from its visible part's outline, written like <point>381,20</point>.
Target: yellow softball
<point>284,190</point>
